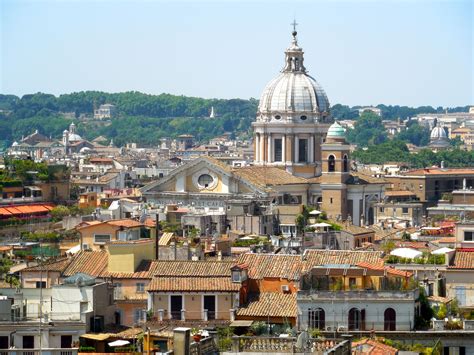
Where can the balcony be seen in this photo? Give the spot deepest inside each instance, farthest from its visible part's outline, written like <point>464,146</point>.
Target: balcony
<point>44,351</point>
<point>363,295</point>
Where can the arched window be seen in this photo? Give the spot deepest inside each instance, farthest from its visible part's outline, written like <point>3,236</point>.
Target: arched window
<point>345,164</point>
<point>331,163</point>
<point>354,319</point>
<point>316,318</point>
<point>389,319</point>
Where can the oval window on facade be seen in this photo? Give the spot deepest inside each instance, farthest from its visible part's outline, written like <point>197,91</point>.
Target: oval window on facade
<point>205,180</point>
<point>303,118</point>
<point>277,117</point>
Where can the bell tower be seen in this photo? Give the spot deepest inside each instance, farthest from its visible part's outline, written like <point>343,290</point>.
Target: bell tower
<point>335,172</point>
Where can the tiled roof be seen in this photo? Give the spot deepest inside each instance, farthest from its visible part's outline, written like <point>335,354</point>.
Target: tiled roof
<point>264,176</point>
<point>57,265</point>
<point>25,209</point>
<point>192,268</point>
<point>450,240</point>
<point>270,304</point>
<point>193,284</point>
<point>145,270</point>
<point>272,265</point>
<point>354,230</point>
<point>463,260</point>
<point>399,193</point>
<point>127,223</point>
<point>439,171</point>
<point>315,257</point>
<point>88,262</point>
<point>387,269</point>
<point>372,347</point>
<point>290,267</point>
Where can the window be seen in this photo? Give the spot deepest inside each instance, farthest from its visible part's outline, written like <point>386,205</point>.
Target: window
<point>40,284</point>
<point>137,315</point>
<point>461,295</point>
<point>345,163</point>
<point>352,282</point>
<point>236,276</point>
<point>405,210</point>
<point>28,342</point>
<point>354,319</point>
<point>278,151</point>
<point>101,238</point>
<point>140,287</point>
<point>302,150</point>
<point>316,318</point>
<point>331,163</point>
<point>303,118</point>
<point>468,236</point>
<point>277,117</point>
<point>66,341</point>
<point>389,319</point>
<point>205,180</point>
<point>381,209</point>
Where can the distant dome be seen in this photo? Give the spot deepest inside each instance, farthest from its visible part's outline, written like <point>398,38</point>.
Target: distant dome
<point>438,137</point>
<point>336,131</point>
<point>74,137</point>
<point>438,132</point>
<point>15,144</point>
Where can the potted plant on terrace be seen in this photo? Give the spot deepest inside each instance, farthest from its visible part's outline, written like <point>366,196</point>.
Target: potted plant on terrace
<point>196,334</point>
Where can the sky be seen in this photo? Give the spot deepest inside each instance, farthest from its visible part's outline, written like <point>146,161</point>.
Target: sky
<point>362,52</point>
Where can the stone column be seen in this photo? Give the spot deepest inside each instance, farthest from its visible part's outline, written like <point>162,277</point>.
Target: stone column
<point>283,148</point>
<point>261,140</point>
<point>264,148</point>
<point>269,148</point>
<point>297,153</point>
<point>289,150</point>
<point>311,149</point>
<point>256,146</point>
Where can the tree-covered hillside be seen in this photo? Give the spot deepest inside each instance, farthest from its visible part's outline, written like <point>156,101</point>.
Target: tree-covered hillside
<point>144,118</point>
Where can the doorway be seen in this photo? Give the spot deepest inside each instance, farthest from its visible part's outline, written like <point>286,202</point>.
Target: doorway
<point>210,305</point>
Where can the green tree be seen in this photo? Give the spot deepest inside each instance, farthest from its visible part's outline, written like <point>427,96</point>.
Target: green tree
<point>368,130</point>
<point>59,212</point>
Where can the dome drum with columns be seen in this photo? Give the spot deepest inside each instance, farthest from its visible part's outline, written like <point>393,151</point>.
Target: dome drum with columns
<point>292,118</point>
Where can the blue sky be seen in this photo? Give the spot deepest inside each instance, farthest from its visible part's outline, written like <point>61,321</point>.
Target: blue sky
<point>362,52</point>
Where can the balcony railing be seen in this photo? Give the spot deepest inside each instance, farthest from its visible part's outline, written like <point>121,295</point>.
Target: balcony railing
<point>43,351</point>
<point>358,294</point>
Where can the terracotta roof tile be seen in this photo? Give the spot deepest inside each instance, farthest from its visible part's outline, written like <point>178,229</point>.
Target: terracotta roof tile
<point>265,176</point>
<point>463,260</point>
<point>92,263</point>
<point>192,268</point>
<point>331,257</point>
<point>439,171</point>
<point>372,347</point>
<point>193,284</point>
<point>270,304</point>
<point>272,265</point>
<point>57,265</point>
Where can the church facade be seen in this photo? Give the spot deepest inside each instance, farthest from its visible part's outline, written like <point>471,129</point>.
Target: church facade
<point>300,158</point>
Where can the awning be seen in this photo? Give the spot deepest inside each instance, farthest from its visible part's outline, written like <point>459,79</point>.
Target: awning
<point>241,323</point>
<point>99,337</point>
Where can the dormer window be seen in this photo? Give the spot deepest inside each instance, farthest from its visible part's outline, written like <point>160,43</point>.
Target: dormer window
<point>236,276</point>
<point>239,274</point>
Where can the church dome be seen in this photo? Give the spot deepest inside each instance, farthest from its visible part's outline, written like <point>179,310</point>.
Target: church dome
<point>73,136</point>
<point>438,132</point>
<point>336,131</point>
<point>293,91</point>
